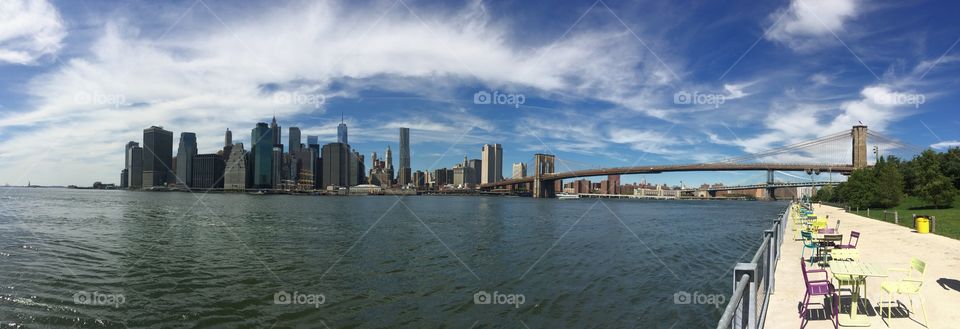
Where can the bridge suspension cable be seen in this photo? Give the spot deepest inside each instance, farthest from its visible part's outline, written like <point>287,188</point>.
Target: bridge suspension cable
<point>821,143</point>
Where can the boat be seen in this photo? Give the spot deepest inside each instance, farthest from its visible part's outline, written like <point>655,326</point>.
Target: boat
<point>567,196</point>
<point>260,192</point>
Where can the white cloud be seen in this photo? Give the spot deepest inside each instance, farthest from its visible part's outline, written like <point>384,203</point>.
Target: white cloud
<point>946,144</point>
<point>29,29</point>
<point>806,24</point>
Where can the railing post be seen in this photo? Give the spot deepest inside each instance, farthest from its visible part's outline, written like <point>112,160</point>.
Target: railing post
<point>747,310</point>
<point>772,259</point>
<point>896,218</point>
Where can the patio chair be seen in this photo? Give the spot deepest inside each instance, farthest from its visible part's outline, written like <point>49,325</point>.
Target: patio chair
<point>852,243</point>
<point>818,288</point>
<point>908,286</point>
<point>808,243</point>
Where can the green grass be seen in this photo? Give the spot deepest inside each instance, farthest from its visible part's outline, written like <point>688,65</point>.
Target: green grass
<point>948,219</point>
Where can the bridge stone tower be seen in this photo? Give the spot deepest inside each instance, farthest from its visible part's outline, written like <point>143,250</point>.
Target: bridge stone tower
<point>859,134</point>
<point>543,164</point>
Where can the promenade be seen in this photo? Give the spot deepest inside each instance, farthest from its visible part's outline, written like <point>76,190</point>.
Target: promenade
<point>887,245</point>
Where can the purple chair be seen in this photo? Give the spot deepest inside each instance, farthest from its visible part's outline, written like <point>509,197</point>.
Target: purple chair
<point>818,288</point>
<point>852,244</point>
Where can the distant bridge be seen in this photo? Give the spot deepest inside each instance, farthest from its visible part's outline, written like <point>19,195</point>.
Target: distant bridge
<point>763,186</point>
<point>545,181</point>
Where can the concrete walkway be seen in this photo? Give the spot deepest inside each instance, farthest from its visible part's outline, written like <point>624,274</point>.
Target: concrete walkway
<point>887,245</point>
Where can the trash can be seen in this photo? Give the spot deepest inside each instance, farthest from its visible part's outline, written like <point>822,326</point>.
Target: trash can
<point>922,224</point>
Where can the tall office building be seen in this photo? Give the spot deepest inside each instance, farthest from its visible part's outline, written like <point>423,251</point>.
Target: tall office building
<point>275,132</point>
<point>404,174</point>
<point>277,165</point>
<point>125,183</point>
<point>313,140</point>
<point>261,152</point>
<point>135,165</point>
<point>388,166</point>
<point>356,172</point>
<point>228,138</point>
<point>492,162</point>
<point>476,166</point>
<point>235,171</point>
<point>336,168</point>
<point>157,156</point>
<point>342,132</point>
<point>519,170</point>
<point>207,171</point>
<point>185,153</point>
<point>294,140</point>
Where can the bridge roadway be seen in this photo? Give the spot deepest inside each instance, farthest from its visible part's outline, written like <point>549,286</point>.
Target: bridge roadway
<point>823,168</point>
<point>756,186</point>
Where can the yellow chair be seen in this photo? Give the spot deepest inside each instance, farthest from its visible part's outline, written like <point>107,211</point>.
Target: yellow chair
<point>909,286</point>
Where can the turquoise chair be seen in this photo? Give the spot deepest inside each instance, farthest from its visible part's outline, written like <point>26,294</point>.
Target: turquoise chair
<point>808,243</point>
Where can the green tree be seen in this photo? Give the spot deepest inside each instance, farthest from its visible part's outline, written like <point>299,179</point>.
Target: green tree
<point>861,188</point>
<point>951,165</point>
<point>932,185</point>
<point>889,180</point>
<point>825,194</point>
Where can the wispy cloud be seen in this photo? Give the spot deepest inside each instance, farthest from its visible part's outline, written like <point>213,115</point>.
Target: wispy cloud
<point>29,30</point>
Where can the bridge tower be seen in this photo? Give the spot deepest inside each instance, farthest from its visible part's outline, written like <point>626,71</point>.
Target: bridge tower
<point>859,134</point>
<point>543,164</point>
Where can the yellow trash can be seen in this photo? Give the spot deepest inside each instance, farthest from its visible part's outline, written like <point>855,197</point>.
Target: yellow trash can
<point>923,225</point>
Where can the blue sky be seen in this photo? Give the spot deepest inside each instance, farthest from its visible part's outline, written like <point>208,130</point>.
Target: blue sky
<point>600,80</point>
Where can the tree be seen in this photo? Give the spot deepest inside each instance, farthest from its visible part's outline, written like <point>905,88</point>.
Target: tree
<point>889,189</point>
<point>951,165</point>
<point>825,194</point>
<point>932,185</point>
<point>861,188</point>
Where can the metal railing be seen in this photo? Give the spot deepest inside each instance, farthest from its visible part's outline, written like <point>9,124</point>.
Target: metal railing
<point>753,282</point>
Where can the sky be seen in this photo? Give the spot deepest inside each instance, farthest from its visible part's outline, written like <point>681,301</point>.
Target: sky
<point>597,83</point>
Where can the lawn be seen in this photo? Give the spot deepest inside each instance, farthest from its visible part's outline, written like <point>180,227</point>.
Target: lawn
<point>948,219</point>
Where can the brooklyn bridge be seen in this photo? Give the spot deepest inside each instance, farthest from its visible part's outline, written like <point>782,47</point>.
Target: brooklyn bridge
<point>545,180</point>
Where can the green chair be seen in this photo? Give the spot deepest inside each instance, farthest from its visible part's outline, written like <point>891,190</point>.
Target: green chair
<point>908,286</point>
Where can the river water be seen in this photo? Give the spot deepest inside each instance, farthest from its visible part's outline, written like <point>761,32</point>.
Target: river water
<point>120,259</point>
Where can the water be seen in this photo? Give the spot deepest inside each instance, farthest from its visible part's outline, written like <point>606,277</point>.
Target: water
<point>167,260</point>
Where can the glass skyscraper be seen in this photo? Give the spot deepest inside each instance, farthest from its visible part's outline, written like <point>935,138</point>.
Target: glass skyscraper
<point>262,150</point>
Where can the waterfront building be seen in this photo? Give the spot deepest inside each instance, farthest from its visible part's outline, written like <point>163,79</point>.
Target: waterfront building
<point>185,153</point>
<point>356,171</point>
<point>261,156</point>
<point>235,172</point>
<point>342,132</point>
<point>124,178</point>
<point>275,132</point>
<point>228,138</point>
<point>335,158</point>
<point>294,144</point>
<point>492,163</point>
<point>313,140</point>
<point>388,166</point>
<point>135,166</point>
<point>277,165</point>
<point>460,174</point>
<point>404,175</point>
<point>418,179</point>
<point>157,156</point>
<point>519,170</point>
<point>127,163</point>
<point>207,171</point>
<point>476,166</point>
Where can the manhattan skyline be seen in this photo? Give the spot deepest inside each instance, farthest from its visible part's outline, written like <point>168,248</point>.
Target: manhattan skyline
<point>87,77</point>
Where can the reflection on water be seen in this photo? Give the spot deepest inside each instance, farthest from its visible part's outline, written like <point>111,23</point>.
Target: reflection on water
<point>115,259</point>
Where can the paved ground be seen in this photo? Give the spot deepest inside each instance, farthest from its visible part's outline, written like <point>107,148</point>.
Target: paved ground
<point>888,245</point>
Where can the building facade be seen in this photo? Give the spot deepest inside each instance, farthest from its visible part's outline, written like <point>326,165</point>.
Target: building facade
<point>261,154</point>
<point>519,170</point>
<point>157,156</point>
<point>235,171</point>
<point>492,164</point>
<point>207,171</point>
<point>185,153</point>
<point>336,168</point>
<point>404,174</point>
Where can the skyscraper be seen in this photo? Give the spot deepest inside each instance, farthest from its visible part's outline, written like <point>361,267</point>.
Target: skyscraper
<point>313,140</point>
<point>388,166</point>
<point>277,165</point>
<point>342,132</point>
<point>126,163</point>
<point>135,166</point>
<point>157,156</point>
<point>519,170</point>
<point>185,153</point>
<point>404,177</point>
<point>492,163</point>
<point>207,171</point>
<point>294,140</point>
<point>235,173</point>
<point>228,138</point>
<point>275,131</point>
<point>262,153</point>
<point>336,167</point>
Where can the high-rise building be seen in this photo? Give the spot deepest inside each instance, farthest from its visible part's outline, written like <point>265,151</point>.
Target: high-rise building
<point>357,176</point>
<point>476,166</point>
<point>336,168</point>
<point>519,170</point>
<point>313,140</point>
<point>419,180</point>
<point>235,171</point>
<point>342,132</point>
<point>388,165</point>
<point>261,153</point>
<point>127,163</point>
<point>157,156</point>
<point>404,177</point>
<point>124,178</point>
<point>275,132</point>
<point>135,165</point>
<point>294,140</point>
<point>277,165</point>
<point>185,153</point>
<point>492,162</point>
<point>228,138</point>
<point>207,171</point>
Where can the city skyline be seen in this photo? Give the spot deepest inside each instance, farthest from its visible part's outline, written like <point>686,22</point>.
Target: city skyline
<point>639,104</point>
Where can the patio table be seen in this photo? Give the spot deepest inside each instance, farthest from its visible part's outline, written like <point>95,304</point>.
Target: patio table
<point>860,270</point>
